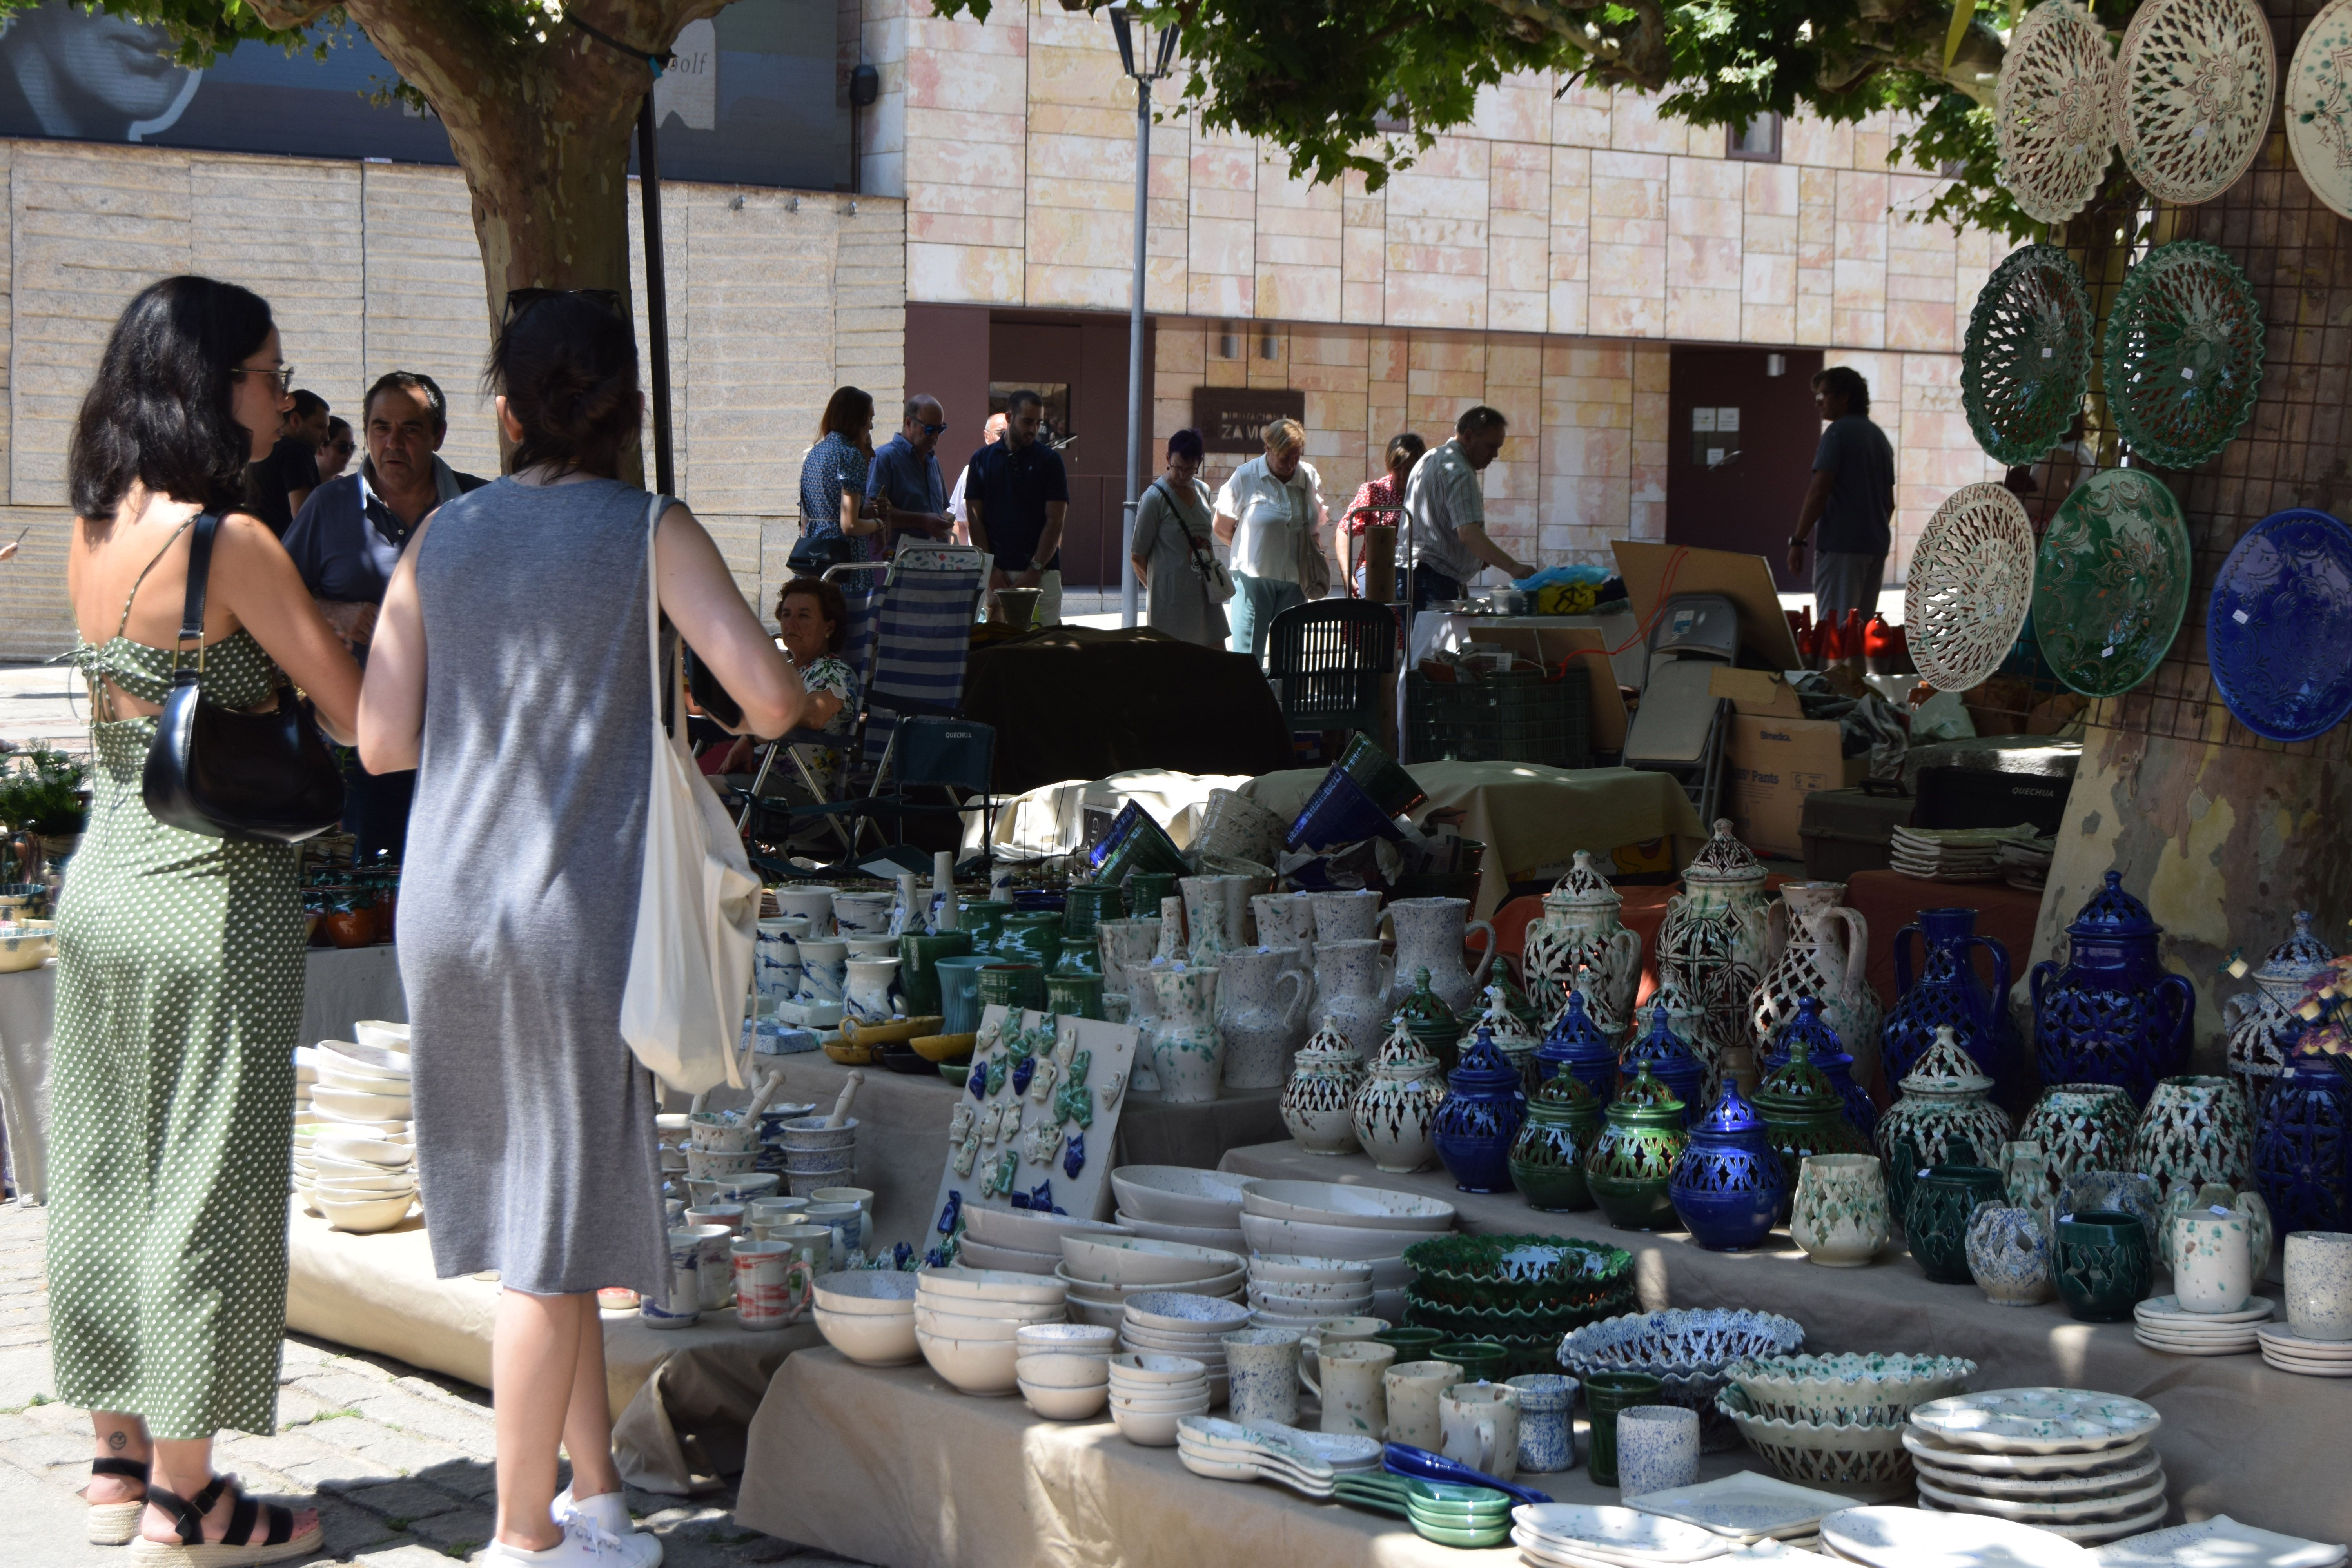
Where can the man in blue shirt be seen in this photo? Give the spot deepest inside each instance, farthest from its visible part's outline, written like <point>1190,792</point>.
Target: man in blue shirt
<point>905,474</point>
<point>1017,495</point>
<point>345,543</point>
<point>1851,497</point>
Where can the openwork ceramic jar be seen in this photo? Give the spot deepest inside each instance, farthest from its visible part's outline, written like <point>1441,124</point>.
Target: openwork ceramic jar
<point>1944,1097</point>
<point>1804,1115</point>
<point>1397,1102</point>
<point>2261,1024</point>
<point>1665,1057</point>
<point>1716,942</point>
<point>2195,1131</point>
<point>2301,1143</point>
<point>1576,1045</point>
<point>1324,1077</point>
<point>1480,1118</point>
<point>2009,1255</point>
<point>1579,926</point>
<point>1826,1051</point>
<point>1948,994</point>
<point>1510,1036</point>
<point>2113,1015</point>
<point>1549,1154</point>
<point>1728,1185</point>
<point>1839,1213</point>
<point>1825,955</point>
<point>1436,1026</point>
<point>2081,1127</point>
<point>1632,1162</point>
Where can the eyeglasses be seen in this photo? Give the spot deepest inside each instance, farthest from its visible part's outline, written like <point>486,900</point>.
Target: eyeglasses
<point>283,375</point>
<point>520,301</point>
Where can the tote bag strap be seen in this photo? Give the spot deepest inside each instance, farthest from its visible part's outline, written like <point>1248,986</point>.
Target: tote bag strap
<point>665,691</point>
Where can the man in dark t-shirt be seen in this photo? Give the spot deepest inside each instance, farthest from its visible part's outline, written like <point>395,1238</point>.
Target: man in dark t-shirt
<point>1017,495</point>
<point>277,486</point>
<point>1851,497</point>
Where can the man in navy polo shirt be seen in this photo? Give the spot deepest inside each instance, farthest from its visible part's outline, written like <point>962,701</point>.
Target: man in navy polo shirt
<point>1017,495</point>
<point>906,474</point>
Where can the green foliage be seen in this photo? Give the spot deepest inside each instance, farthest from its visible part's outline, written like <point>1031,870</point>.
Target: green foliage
<point>40,791</point>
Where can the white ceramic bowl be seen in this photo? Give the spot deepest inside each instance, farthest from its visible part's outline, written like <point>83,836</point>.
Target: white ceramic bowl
<point>1097,1314</point>
<point>1132,1368</point>
<point>391,1062</point>
<point>1209,1353</point>
<point>335,1072</point>
<point>1306,1291</point>
<point>361,1107</point>
<point>382,1034</point>
<point>1228,1284</point>
<point>1029,1231</point>
<point>1182,1312</point>
<point>705,1165</point>
<point>1341,1204</point>
<point>367,1214</point>
<point>343,1144</point>
<point>1177,1194</point>
<point>980,1255</point>
<point>331,1159</point>
<point>1057,1371</point>
<point>384,1183</point>
<point>954,1326</point>
<point>1153,1431</point>
<point>867,1292</point>
<point>1352,1243</point>
<point>1226,1238</point>
<point>342,1192</point>
<point>1194,1401</point>
<point>973,1366</point>
<point>1133,1261</point>
<point>1080,1338</point>
<point>990,1285</point>
<point>980,1307</point>
<point>870,1339</point>
<point>1063,1403</point>
<point>1286,1269</point>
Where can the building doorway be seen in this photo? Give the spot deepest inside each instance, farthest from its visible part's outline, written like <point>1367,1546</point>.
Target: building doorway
<point>1740,451</point>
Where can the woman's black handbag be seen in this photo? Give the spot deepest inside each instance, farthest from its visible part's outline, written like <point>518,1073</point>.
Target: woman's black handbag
<point>264,777</point>
<point>812,553</point>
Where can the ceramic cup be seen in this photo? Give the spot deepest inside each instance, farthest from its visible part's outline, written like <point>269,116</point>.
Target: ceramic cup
<point>862,914</point>
<point>2319,1284</point>
<point>811,901</point>
<point>2212,1270</point>
<point>714,1275</point>
<point>1412,1388</point>
<point>774,1211</point>
<point>825,969</point>
<point>1413,1343</point>
<point>1547,1422</point>
<point>1354,1401</point>
<point>1658,1448</point>
<point>684,1304</point>
<point>1481,1361</point>
<point>1480,1424</point>
<point>1840,1215</point>
<point>1606,1394</point>
<point>1262,1367</point>
<point>2103,1264</point>
<point>862,1196</point>
<point>766,1276</point>
<point>811,1244</point>
<point>728,1215</point>
<point>870,993</point>
<point>847,1221</point>
<point>776,958</point>
<point>1337,1331</point>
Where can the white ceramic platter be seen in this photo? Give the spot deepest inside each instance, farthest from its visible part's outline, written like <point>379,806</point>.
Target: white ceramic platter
<point>1925,1445</point>
<point>1336,1203</point>
<point>2062,1510</point>
<point>1888,1537</point>
<point>2101,1482</point>
<point>2219,1541</point>
<point>1744,1506</point>
<point>2037,1420</point>
<point>2086,1532</point>
<point>2173,1329</point>
<point>2167,1309</point>
<point>1621,1532</point>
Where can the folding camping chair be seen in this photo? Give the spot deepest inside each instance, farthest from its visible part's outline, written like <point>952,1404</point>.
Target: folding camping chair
<point>1682,728</point>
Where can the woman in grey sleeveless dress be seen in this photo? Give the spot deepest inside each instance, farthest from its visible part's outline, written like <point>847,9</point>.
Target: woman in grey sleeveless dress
<point>508,668</point>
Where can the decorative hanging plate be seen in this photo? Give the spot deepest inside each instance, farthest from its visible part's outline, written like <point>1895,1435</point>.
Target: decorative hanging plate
<point>2184,353</point>
<point>2052,120</point>
<point>2319,106</point>
<point>2279,635</point>
<point>2028,359</point>
<point>1969,586</point>
<point>2193,86</point>
<point>2111,582</point>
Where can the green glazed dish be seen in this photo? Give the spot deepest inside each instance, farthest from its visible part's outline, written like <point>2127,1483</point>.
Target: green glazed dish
<point>1447,1535</point>
<point>2027,361</point>
<point>2111,582</point>
<point>2183,358</point>
<point>1507,1273</point>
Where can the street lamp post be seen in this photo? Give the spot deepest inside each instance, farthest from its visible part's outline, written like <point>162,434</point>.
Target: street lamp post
<point>1146,58</point>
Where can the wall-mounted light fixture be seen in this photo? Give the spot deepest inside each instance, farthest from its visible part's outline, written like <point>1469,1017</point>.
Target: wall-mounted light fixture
<point>1776,364</point>
<point>1268,347</point>
<point>1229,342</point>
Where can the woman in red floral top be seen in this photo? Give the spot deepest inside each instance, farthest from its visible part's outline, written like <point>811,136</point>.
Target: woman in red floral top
<point>1377,501</point>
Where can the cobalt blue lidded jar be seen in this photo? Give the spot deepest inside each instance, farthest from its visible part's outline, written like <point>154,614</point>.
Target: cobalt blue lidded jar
<point>1728,1185</point>
<point>1576,1045</point>
<point>1669,1060</point>
<point>2114,1013</point>
<point>2300,1142</point>
<point>1480,1118</point>
<point>1829,1054</point>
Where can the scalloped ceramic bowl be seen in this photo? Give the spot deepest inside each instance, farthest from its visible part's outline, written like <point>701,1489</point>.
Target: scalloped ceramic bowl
<point>989,1285</point>
<point>1178,1195</point>
<point>1029,1232</point>
<point>971,1367</point>
<point>868,1292</point>
<point>1353,1244</point>
<point>1338,1204</point>
<point>870,1339</point>
<point>1861,1390</point>
<point>1689,1352</point>
<point>1859,1461</point>
<point>1227,1237</point>
<point>1006,1259</point>
<point>1135,1260</point>
<point>1062,1404</point>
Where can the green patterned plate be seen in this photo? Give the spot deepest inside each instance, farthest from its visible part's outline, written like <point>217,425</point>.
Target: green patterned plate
<point>2184,353</point>
<point>2028,359</point>
<point>2111,582</point>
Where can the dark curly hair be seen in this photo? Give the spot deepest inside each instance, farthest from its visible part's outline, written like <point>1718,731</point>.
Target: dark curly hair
<point>567,366</point>
<point>829,604</point>
<point>161,412</point>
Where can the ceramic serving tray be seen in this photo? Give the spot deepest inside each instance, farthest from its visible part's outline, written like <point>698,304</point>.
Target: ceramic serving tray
<point>1889,1537</point>
<point>2219,1541</point>
<point>2125,1477</point>
<point>1744,1506</point>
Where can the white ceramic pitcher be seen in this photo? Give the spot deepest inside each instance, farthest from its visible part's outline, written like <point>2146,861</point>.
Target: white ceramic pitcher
<point>1353,995</point>
<point>1432,934</point>
<point>1188,1053</point>
<point>1262,1027</point>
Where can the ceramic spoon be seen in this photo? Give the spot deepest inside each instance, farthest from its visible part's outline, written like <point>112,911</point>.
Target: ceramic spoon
<point>849,1092</point>
<point>1404,1459</point>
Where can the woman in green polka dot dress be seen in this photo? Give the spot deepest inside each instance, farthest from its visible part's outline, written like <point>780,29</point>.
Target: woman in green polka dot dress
<point>179,956</point>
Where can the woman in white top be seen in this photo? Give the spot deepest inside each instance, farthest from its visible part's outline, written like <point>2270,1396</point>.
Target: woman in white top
<point>1175,554</point>
<point>1271,514</point>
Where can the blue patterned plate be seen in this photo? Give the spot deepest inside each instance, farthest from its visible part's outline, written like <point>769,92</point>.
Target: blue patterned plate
<point>2279,636</point>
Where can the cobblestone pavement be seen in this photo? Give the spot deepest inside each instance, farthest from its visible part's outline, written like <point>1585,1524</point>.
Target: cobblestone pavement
<point>399,1461</point>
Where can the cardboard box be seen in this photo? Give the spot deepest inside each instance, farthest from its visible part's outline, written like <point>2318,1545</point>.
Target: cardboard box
<point>1776,758</point>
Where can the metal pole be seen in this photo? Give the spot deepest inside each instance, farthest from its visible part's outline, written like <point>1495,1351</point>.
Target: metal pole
<point>1135,406</point>
<point>656,295</point>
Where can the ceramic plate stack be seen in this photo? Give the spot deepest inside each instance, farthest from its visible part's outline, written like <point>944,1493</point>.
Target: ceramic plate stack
<point>362,1149</point>
<point>1306,1462</point>
<point>1172,1322</point>
<point>1149,1393</point>
<point>1838,1421</point>
<point>965,1320</point>
<point>306,1125</point>
<point>2074,1462</point>
<point>2290,1351</point>
<point>1356,1225</point>
<point>1746,1508</point>
<point>1177,1203</point>
<point>2160,1323</point>
<point>1689,1352</point>
<point>1103,1272</point>
<point>1911,1538</point>
<point>1527,1291</point>
<point>1300,1292</point>
<point>2219,1541</point>
<point>868,1315</point>
<point>1020,1240</point>
<point>1063,1369</point>
<point>1953,855</point>
<point>1580,1535</point>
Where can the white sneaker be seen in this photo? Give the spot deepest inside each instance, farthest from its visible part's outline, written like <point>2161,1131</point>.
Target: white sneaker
<point>609,1511</point>
<point>584,1545</point>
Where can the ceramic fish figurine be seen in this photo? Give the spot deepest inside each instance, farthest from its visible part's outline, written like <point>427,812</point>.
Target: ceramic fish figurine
<point>1041,1085</point>
<point>1113,1087</point>
<point>1076,1159</point>
<point>1041,1198</point>
<point>978,1081</point>
<point>996,1071</point>
<point>1075,1103</point>
<point>967,1155</point>
<point>999,1180</point>
<point>951,1212</point>
<point>1079,1066</point>
<point>1066,1047</point>
<point>1042,1140</point>
<point>1023,1069</point>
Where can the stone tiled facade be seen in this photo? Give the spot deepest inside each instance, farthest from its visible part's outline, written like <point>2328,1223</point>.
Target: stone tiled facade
<point>1540,258</point>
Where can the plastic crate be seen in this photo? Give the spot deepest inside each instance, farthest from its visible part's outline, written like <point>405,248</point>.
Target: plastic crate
<point>1512,716</point>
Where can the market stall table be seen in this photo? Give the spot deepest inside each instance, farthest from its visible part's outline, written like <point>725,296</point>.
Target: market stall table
<point>892,1465</point>
<point>2237,1432</point>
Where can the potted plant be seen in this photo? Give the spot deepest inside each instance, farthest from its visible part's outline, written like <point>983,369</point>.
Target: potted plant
<point>41,795</point>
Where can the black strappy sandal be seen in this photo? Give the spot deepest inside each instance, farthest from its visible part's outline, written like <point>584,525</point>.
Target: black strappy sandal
<point>114,1523</point>
<point>236,1548</point>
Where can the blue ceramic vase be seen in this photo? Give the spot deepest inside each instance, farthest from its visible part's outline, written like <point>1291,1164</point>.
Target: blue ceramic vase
<point>1668,1058</point>
<point>2300,1143</point>
<point>1576,1045</point>
<point>2114,1013</point>
<point>1727,1185</point>
<point>1480,1118</point>
<point>1829,1054</point>
<point>1948,994</point>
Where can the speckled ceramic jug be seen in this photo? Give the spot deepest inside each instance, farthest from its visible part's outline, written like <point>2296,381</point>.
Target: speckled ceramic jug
<point>1432,934</point>
<point>1188,1053</point>
<point>1261,1012</point>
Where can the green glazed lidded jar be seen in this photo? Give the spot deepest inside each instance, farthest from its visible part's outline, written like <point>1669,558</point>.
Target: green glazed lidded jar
<point>1632,1162</point>
<point>1944,1198</point>
<point>1804,1113</point>
<point>1032,936</point>
<point>1085,905</point>
<point>984,919</point>
<point>1433,1024</point>
<point>1547,1157</point>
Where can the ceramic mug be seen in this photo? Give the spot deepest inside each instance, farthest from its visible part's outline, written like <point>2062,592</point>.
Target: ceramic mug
<point>728,1215</point>
<point>2211,1270</point>
<point>1412,1388</point>
<point>1606,1394</point>
<point>1480,1426</point>
<point>862,914</point>
<point>2319,1284</point>
<point>684,1302</point>
<point>1262,1367</point>
<point>811,1244</point>
<point>1547,1422</point>
<point>1658,1448</point>
<point>773,1285</point>
<point>862,1196</point>
<point>714,1275</point>
<point>847,1221</point>
<point>2103,1264</point>
<point>1336,1332</point>
<point>1354,1401</point>
<point>811,901</point>
<point>825,969</point>
<point>774,1211</point>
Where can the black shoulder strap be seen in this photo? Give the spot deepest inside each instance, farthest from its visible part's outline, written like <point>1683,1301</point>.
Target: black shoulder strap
<point>192,617</point>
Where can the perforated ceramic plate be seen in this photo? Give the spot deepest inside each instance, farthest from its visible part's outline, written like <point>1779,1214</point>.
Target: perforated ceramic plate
<point>2183,357</point>
<point>2111,582</point>
<point>2027,361</point>
<point>2319,106</point>
<point>1969,586</point>
<point>2053,125</point>
<point>2192,90</point>
<point>2278,636</point>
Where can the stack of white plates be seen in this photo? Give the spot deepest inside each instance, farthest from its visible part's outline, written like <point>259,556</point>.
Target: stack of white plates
<point>1891,1537</point>
<point>1149,1393</point>
<point>2072,1462</point>
<point>868,1315</point>
<point>1102,1272</point>
<point>1178,1202</point>
<point>1351,1224</point>
<point>1020,1240</point>
<point>1063,1369</point>
<point>1306,1462</point>
<point>1746,1508</point>
<point>1173,1322</point>
<point>1581,1535</point>
<point>362,1154</point>
<point>2161,1324</point>
<point>305,1125</point>
<point>2290,1351</point>
<point>966,1321</point>
<point>1289,1292</point>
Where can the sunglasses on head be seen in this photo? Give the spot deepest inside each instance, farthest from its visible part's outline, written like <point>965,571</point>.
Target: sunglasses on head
<point>520,300</point>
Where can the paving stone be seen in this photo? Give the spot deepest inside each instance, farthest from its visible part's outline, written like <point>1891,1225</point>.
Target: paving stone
<point>470,1526</point>
<point>406,1501</point>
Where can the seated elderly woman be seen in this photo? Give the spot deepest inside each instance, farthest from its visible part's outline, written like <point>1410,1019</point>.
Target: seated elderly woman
<point>812,622</point>
<point>1271,512</point>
